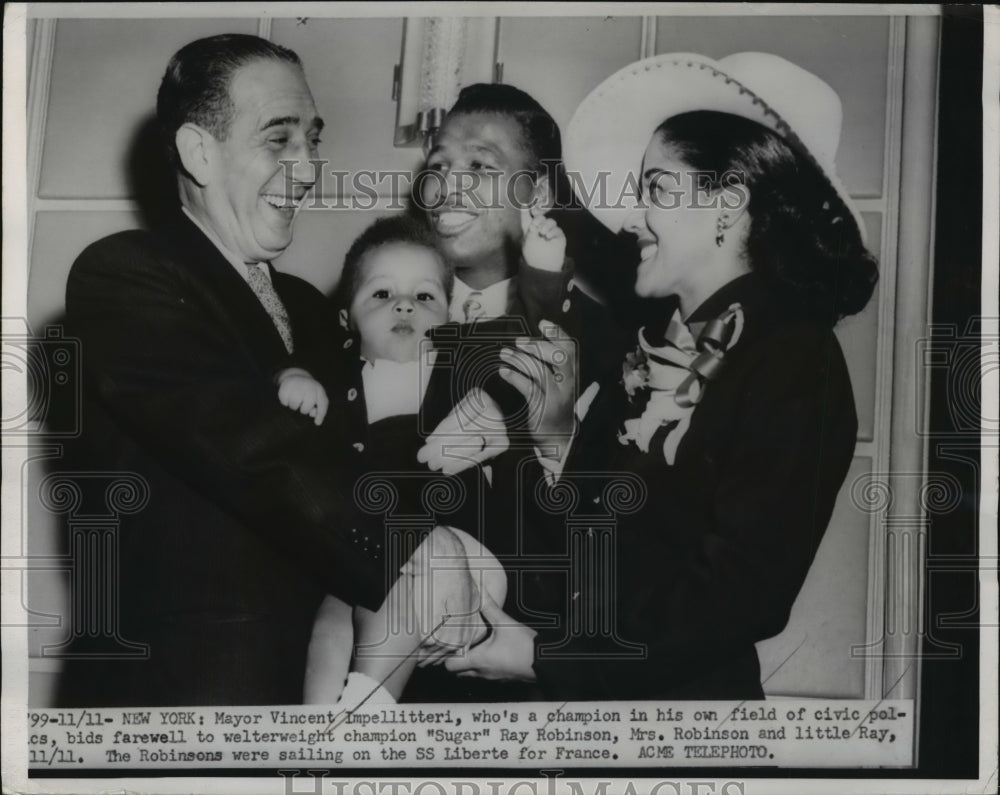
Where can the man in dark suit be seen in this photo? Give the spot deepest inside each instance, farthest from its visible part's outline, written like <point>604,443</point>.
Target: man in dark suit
<point>250,519</point>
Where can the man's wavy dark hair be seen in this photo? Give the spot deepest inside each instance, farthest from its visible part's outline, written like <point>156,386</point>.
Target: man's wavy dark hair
<point>195,87</point>
<point>539,131</point>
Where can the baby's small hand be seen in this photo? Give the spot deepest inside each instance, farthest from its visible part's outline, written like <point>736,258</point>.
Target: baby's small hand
<point>544,244</point>
<point>301,392</point>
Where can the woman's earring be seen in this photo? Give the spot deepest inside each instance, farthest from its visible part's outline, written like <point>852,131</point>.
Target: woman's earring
<point>720,233</point>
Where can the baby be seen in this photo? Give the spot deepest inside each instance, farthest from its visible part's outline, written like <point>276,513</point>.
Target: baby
<point>395,288</point>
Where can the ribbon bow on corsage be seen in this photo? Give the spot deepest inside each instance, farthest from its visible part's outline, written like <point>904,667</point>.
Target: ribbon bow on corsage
<point>675,375</point>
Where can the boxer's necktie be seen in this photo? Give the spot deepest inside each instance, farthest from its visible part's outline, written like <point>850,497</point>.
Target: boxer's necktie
<point>473,307</point>
<point>268,297</point>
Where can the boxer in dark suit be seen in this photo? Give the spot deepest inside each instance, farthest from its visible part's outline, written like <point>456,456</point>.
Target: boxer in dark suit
<point>250,519</point>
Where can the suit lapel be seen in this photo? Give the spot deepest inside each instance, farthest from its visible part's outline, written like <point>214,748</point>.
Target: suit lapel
<point>235,302</point>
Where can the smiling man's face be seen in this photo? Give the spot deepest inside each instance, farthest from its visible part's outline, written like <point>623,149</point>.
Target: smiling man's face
<point>261,172</point>
<point>475,205</point>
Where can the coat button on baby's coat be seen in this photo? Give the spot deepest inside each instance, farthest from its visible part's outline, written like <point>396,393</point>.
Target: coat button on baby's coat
<point>352,393</point>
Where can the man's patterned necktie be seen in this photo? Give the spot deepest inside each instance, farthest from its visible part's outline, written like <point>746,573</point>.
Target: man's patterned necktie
<point>472,307</point>
<point>268,296</point>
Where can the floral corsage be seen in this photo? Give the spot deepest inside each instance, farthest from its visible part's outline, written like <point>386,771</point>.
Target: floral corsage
<point>665,383</point>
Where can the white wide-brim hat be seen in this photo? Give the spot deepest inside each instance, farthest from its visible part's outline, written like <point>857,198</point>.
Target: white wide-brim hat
<point>611,129</point>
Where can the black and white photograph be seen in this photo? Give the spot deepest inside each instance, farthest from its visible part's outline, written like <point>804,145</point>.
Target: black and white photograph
<point>577,397</point>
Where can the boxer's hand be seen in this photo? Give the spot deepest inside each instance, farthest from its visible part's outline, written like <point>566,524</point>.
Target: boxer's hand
<point>544,371</point>
<point>472,433</point>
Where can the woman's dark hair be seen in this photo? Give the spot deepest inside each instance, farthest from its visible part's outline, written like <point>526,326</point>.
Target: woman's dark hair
<point>195,87</point>
<point>383,232</point>
<point>802,237</point>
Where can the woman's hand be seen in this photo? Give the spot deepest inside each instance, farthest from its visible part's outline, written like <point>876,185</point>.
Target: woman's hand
<point>507,654</point>
<point>442,583</point>
<point>472,433</point>
<point>545,373</point>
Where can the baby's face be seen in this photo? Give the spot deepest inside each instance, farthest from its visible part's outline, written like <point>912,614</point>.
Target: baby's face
<point>400,297</point>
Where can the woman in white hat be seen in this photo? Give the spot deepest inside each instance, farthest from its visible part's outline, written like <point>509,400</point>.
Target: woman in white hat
<point>733,424</point>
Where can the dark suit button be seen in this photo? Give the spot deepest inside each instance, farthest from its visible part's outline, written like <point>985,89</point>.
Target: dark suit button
<point>359,446</point>
<point>566,305</point>
<point>354,530</point>
<point>352,393</point>
<point>348,342</point>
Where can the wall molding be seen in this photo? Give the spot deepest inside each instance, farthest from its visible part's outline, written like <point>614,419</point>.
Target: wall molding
<point>39,83</point>
<point>647,38</point>
<point>917,204</point>
<point>877,570</point>
<point>85,205</point>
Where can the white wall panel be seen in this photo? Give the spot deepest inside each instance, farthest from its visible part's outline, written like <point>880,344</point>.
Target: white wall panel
<point>105,74</point>
<point>849,53</point>
<point>348,64</point>
<point>558,61</point>
<point>59,239</point>
<point>829,616</point>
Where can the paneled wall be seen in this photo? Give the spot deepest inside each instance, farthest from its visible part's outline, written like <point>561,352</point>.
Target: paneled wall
<point>92,87</point>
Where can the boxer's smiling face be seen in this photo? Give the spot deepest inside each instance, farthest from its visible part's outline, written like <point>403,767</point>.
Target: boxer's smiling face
<point>481,182</point>
<point>259,175</point>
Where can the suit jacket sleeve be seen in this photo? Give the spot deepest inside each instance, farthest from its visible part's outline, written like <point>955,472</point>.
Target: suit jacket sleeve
<point>541,293</point>
<point>552,296</point>
<point>732,578</point>
<point>180,378</point>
